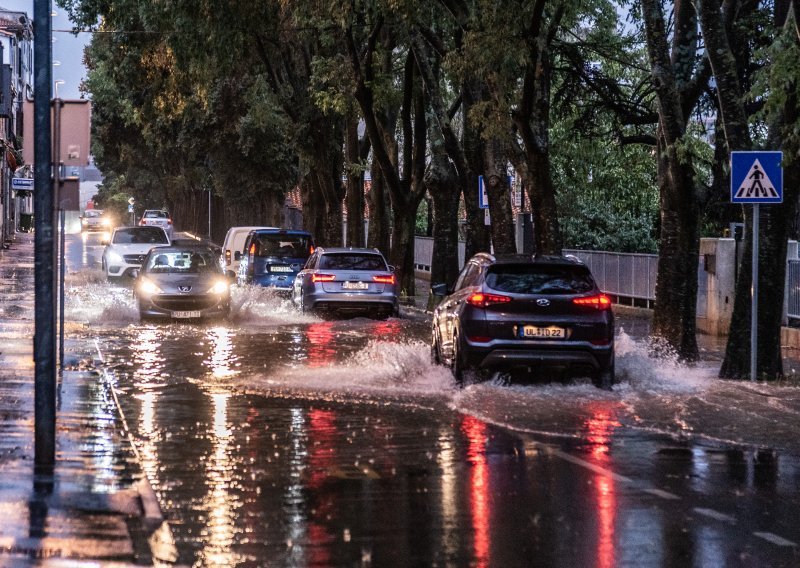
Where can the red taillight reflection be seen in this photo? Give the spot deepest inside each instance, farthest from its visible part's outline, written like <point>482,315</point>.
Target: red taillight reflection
<point>323,277</point>
<point>384,278</point>
<point>599,302</point>
<point>478,339</point>
<point>481,300</point>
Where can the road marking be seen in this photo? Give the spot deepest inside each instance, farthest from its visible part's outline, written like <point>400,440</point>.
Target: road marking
<point>774,539</point>
<point>711,513</point>
<point>661,493</point>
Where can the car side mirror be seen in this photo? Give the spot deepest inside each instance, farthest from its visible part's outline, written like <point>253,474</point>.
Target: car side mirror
<point>439,289</point>
<point>237,256</point>
<point>392,268</point>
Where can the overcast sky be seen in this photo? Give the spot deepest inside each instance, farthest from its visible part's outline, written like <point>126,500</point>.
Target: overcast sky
<point>67,48</point>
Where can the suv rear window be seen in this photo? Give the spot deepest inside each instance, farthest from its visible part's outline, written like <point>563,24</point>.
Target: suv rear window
<point>350,261</point>
<point>539,279</point>
<point>282,246</point>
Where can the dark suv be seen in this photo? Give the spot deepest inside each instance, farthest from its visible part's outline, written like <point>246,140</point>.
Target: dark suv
<point>521,312</point>
<point>273,257</point>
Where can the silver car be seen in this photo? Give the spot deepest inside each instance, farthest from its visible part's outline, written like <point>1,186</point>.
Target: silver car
<point>127,248</point>
<point>182,282</point>
<point>347,281</point>
<point>157,218</point>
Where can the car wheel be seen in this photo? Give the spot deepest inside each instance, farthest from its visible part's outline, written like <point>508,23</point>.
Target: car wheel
<point>436,354</point>
<point>458,365</point>
<point>604,378</point>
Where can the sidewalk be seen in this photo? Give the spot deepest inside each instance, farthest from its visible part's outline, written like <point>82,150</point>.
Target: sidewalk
<point>97,505</point>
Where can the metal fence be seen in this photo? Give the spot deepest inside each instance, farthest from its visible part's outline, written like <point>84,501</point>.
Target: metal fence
<point>626,275</point>
<point>793,289</point>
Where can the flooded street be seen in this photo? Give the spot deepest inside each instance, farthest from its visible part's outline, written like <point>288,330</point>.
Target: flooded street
<point>280,439</point>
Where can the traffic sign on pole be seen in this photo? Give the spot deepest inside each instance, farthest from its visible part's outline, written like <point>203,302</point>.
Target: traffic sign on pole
<point>756,178</point>
<point>483,198</point>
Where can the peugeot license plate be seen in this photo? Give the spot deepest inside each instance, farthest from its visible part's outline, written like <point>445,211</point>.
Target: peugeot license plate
<point>355,285</point>
<point>186,315</point>
<point>551,332</point>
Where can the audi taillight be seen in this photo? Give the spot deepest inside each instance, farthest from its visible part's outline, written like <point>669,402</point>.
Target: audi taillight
<point>384,278</point>
<point>598,302</point>
<point>482,300</point>
<point>323,277</point>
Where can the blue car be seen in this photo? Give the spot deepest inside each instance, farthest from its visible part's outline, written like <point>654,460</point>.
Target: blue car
<point>273,257</point>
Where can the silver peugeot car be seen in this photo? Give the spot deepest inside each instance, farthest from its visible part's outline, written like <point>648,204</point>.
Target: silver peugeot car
<point>182,282</point>
<point>347,281</point>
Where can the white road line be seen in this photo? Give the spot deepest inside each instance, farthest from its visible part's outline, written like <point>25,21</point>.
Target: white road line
<point>661,493</point>
<point>774,539</point>
<point>711,513</point>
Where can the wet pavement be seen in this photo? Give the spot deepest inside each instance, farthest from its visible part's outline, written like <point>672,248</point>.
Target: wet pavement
<point>280,439</point>
<point>92,506</point>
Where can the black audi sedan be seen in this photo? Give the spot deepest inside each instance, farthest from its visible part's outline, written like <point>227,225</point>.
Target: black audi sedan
<point>520,313</point>
<point>182,282</point>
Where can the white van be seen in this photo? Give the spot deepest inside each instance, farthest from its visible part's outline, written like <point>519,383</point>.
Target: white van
<point>233,246</point>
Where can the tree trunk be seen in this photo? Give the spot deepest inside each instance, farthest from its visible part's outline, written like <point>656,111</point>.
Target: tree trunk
<point>495,180</point>
<point>476,233</point>
<point>675,314</point>
<point>442,183</point>
<point>355,185</point>
<point>402,254</point>
<point>674,317</point>
<point>379,225</point>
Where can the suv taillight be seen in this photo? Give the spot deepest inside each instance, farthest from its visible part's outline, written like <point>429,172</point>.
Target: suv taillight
<point>599,302</point>
<point>482,300</point>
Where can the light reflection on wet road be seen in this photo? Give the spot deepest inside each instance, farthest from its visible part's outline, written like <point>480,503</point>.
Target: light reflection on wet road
<point>278,439</point>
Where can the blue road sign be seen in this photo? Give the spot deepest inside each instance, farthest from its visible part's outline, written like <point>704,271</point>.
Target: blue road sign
<point>483,199</point>
<point>756,177</point>
<point>20,184</point>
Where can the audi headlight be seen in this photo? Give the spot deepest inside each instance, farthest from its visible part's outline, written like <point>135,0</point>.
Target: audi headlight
<point>148,288</point>
<point>220,287</point>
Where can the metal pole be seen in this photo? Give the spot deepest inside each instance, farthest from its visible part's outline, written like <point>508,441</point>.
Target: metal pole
<point>44,344</point>
<point>58,189</point>
<point>62,273</point>
<point>209,214</point>
<point>754,299</point>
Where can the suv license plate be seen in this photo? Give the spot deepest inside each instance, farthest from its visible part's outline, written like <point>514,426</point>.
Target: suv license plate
<point>186,315</point>
<point>551,332</point>
<point>355,285</point>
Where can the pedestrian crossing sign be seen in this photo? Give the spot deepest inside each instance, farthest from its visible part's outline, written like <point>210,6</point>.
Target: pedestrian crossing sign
<point>756,177</point>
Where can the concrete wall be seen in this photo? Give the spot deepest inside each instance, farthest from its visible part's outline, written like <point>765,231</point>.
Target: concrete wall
<point>716,276</point>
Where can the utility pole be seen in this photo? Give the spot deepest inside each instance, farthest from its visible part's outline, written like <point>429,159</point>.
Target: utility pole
<point>44,342</point>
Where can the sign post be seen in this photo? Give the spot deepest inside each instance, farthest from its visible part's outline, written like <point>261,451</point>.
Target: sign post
<point>131,201</point>
<point>756,178</point>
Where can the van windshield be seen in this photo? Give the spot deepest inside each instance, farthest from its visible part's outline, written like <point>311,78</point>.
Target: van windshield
<point>282,246</point>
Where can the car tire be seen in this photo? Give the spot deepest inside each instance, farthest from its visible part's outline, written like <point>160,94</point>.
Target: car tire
<point>604,377</point>
<point>436,354</point>
<point>458,365</point>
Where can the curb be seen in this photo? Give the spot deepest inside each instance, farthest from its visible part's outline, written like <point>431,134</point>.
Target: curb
<point>159,535</point>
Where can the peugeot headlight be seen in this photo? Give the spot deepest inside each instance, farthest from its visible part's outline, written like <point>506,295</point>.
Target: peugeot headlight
<point>148,288</point>
<point>220,287</point>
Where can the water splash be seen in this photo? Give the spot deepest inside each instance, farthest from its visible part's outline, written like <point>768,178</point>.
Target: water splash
<point>255,304</point>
